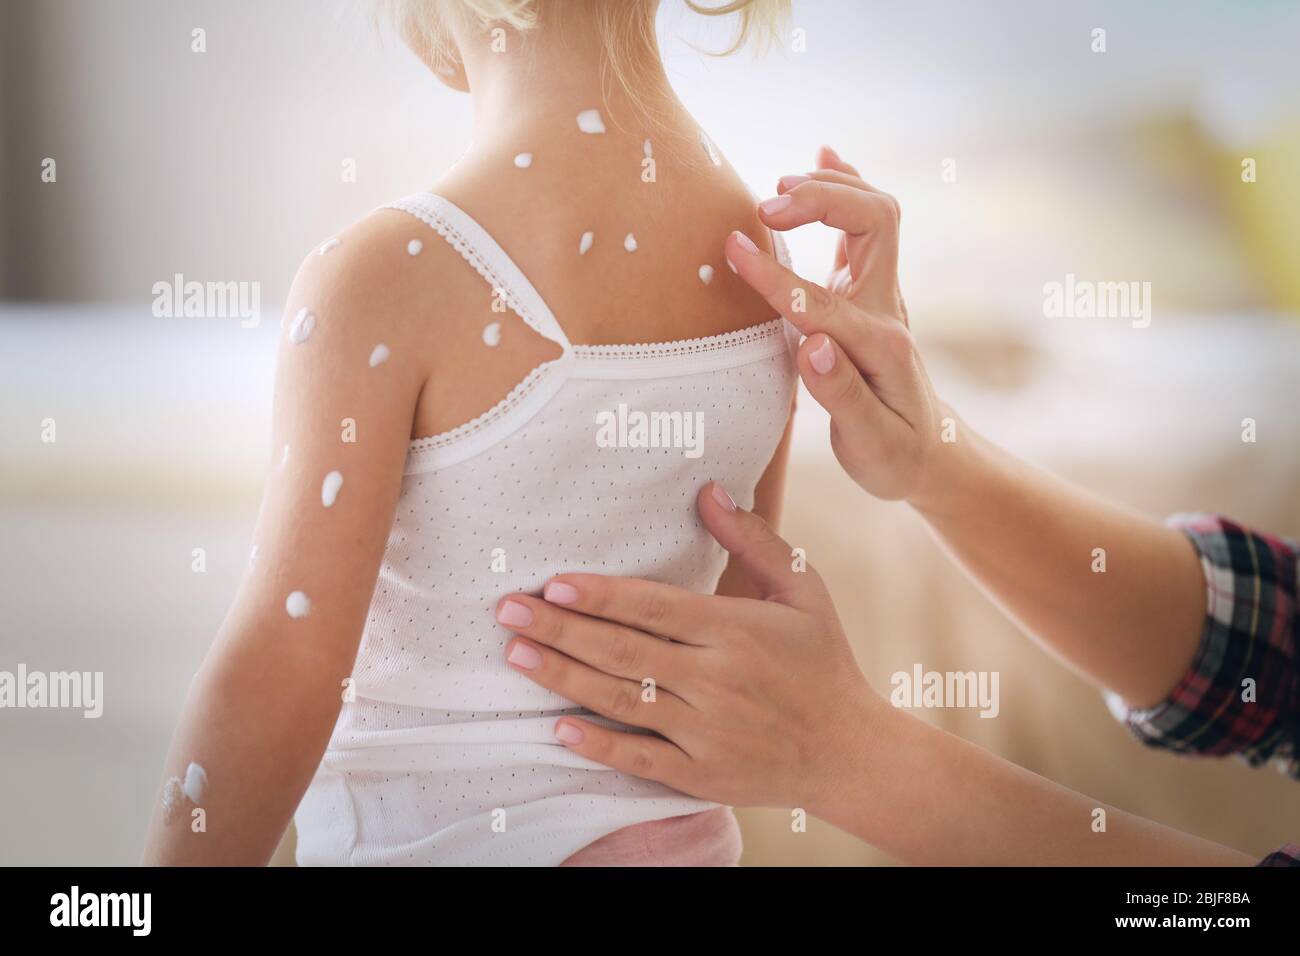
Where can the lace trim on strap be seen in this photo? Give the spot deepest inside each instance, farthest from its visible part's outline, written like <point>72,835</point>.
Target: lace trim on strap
<point>477,424</point>
<point>686,357</point>
<point>492,427</point>
<point>712,343</point>
<point>487,258</point>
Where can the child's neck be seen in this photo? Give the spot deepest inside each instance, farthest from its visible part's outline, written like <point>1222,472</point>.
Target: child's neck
<point>548,75</point>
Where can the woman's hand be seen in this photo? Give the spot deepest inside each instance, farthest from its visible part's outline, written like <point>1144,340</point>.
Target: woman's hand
<point>757,702</point>
<point>859,361</point>
<point>1028,538</point>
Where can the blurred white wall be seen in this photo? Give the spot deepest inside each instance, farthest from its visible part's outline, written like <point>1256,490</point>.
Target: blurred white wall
<point>226,164</point>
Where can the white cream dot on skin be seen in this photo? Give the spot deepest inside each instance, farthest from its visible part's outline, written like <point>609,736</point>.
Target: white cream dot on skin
<point>196,781</point>
<point>380,355</point>
<point>326,246</point>
<point>629,243</point>
<point>524,160</point>
<point>413,247</point>
<point>284,456</point>
<point>298,605</point>
<point>492,334</point>
<point>171,798</point>
<point>585,242</point>
<point>649,151</point>
<point>252,555</point>
<point>329,489</point>
<point>302,326</point>
<point>710,149</point>
<point>589,121</point>
<point>706,274</point>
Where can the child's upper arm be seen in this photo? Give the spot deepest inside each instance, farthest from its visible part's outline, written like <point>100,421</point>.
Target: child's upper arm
<point>349,372</point>
<point>352,364</point>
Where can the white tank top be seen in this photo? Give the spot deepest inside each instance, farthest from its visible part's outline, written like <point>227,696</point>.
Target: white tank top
<point>447,756</point>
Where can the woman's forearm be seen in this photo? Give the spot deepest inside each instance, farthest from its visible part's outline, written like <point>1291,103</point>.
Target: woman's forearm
<point>927,797</point>
<point>1117,595</point>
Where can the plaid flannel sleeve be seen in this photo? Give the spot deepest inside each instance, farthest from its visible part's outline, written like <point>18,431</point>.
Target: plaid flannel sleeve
<point>1241,694</point>
<point>1289,855</point>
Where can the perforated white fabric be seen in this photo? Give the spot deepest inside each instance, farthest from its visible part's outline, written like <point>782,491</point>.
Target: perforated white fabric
<point>447,756</point>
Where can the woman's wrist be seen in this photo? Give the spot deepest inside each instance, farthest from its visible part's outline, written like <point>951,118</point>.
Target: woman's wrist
<point>955,465</point>
<point>860,753</point>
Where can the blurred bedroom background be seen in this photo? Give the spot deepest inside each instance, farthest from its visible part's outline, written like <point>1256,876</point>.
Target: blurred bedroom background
<point>1020,153</point>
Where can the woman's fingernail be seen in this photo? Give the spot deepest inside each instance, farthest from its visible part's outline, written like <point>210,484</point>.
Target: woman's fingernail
<point>558,592</point>
<point>774,205</point>
<point>514,614</point>
<point>833,154</point>
<point>789,182</point>
<point>569,733</point>
<point>721,497</point>
<point>730,265</point>
<point>822,358</point>
<point>745,242</point>
<point>525,656</point>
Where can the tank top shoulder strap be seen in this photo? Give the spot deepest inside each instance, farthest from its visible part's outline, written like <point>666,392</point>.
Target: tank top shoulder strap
<point>792,334</point>
<point>489,260</point>
<point>779,247</point>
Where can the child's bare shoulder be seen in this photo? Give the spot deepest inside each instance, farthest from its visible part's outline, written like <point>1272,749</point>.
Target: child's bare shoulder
<point>388,273</point>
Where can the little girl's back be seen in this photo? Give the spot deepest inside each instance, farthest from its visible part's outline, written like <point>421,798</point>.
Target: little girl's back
<point>620,232</point>
<point>579,394</point>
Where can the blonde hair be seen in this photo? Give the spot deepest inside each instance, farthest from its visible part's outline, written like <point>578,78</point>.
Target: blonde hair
<point>626,27</point>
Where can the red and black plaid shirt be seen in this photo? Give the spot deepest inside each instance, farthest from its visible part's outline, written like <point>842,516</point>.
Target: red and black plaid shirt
<point>1242,693</point>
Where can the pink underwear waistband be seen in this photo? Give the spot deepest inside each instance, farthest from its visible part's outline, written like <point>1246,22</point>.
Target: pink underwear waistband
<point>707,838</point>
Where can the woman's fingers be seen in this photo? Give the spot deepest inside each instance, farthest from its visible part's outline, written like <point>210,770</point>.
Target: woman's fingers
<point>882,350</point>
<point>866,337</point>
<point>758,550</point>
<point>607,646</point>
<point>808,306</point>
<point>638,703</point>
<point>835,382</point>
<point>648,606</point>
<point>827,158</point>
<point>869,220</point>
<point>638,754</point>
<point>846,178</point>
<point>839,205</point>
<point>787,183</point>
